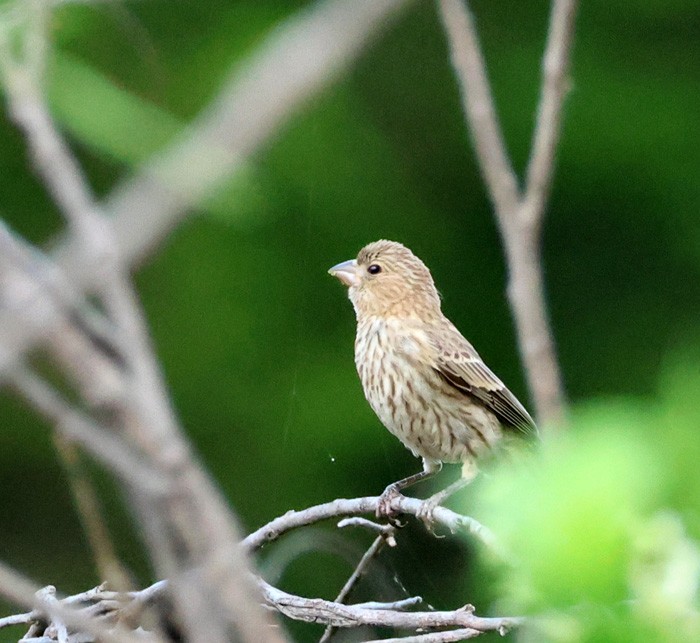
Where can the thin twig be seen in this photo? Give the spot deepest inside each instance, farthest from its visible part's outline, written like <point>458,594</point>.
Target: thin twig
<point>18,619</point>
<point>386,530</point>
<point>18,589</point>
<point>316,610</point>
<point>402,604</point>
<point>449,636</point>
<point>91,515</point>
<point>555,66</point>
<point>372,551</point>
<point>76,426</point>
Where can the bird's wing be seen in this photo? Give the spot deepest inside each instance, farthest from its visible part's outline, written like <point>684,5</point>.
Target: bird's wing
<point>460,366</point>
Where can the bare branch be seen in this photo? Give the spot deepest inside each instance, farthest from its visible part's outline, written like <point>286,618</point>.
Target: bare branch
<point>295,62</point>
<point>344,507</point>
<point>18,619</point>
<point>387,530</point>
<point>316,610</point>
<point>46,606</point>
<point>555,69</point>
<point>193,534</point>
<point>519,214</point>
<point>403,604</point>
<point>332,613</point>
<point>461,634</point>
<point>478,104</point>
<point>91,514</point>
<point>61,173</point>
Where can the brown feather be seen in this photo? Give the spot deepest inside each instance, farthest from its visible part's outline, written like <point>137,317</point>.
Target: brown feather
<point>462,367</point>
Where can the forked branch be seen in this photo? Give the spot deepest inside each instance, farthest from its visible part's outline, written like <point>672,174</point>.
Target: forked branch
<point>519,212</point>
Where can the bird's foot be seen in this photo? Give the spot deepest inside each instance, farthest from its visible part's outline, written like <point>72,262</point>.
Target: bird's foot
<point>425,513</point>
<point>384,505</point>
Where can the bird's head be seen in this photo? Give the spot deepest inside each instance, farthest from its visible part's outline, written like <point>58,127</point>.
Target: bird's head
<point>387,279</point>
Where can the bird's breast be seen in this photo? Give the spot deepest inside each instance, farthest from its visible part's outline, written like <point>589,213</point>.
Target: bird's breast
<point>409,397</point>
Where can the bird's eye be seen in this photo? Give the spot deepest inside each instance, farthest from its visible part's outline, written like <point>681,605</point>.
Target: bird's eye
<point>374,269</point>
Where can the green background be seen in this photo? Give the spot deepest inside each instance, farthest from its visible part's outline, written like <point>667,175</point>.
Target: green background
<point>255,339</point>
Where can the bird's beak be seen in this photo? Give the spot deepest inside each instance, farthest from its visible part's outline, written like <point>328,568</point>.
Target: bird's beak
<point>346,272</point>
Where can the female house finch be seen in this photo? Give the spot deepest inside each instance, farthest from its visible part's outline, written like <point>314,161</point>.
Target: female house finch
<point>422,378</point>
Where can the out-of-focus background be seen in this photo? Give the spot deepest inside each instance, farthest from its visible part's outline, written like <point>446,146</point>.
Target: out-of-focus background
<point>255,339</point>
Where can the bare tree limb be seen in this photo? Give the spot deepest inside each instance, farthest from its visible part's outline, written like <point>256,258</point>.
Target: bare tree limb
<point>343,507</point>
<point>519,213</point>
<point>316,610</point>
<point>463,621</point>
<point>478,105</point>
<point>461,634</point>
<point>295,62</point>
<point>555,66</point>
<point>193,533</point>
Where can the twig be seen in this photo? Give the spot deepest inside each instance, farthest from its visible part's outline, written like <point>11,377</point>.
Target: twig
<point>91,515</point>
<point>371,552</point>
<point>402,604</point>
<point>555,67</point>
<point>519,214</point>
<point>448,636</point>
<point>388,531</point>
<point>18,619</point>
<point>76,426</point>
<point>316,610</point>
<point>45,606</point>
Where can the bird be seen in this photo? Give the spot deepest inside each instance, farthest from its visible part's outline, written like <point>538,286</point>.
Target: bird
<point>425,382</point>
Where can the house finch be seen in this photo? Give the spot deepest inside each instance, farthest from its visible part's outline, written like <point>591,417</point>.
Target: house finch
<point>422,378</point>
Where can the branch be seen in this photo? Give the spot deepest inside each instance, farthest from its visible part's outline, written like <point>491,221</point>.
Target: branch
<point>127,606</point>
<point>385,537</point>
<point>478,105</point>
<point>435,637</point>
<point>344,507</point>
<point>555,68</point>
<point>295,62</point>
<point>192,535</point>
<point>62,614</point>
<point>316,610</point>
<point>519,214</point>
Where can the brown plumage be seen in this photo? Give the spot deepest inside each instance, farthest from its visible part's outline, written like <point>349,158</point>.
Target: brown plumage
<point>422,378</point>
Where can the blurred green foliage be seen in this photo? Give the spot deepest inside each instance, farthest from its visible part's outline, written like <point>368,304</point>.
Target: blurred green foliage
<point>604,522</point>
<point>256,340</point>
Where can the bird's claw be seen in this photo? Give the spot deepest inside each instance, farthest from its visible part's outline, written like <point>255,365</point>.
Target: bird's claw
<point>425,514</point>
<point>384,505</point>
